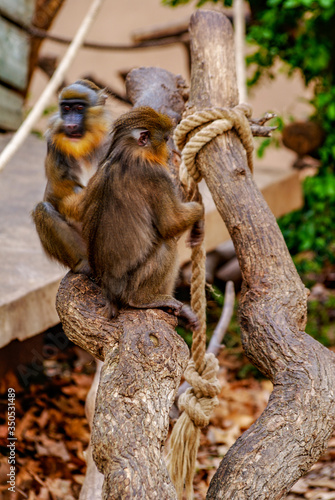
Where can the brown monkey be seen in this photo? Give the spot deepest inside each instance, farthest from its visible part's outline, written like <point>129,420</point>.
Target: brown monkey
<point>132,217</point>
<point>77,140</point>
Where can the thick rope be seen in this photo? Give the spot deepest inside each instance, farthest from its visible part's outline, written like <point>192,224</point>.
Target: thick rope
<point>217,121</point>
<point>198,402</point>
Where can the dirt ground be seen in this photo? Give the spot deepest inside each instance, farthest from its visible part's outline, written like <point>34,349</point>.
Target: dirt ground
<point>52,431</point>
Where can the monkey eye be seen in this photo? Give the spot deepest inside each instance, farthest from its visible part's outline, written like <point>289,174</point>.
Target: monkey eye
<point>66,108</point>
<point>80,107</point>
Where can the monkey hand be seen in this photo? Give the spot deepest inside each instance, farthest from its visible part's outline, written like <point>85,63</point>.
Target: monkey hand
<point>83,267</point>
<point>197,234</point>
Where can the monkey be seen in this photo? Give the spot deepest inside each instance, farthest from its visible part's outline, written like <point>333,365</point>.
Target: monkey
<point>132,217</point>
<point>77,140</point>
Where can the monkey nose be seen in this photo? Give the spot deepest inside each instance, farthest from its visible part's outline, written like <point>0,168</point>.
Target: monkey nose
<point>72,127</point>
<point>73,130</point>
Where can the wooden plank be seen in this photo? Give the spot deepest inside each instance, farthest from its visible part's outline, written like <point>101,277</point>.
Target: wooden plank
<point>14,55</point>
<point>20,10</point>
<point>28,280</point>
<point>11,105</point>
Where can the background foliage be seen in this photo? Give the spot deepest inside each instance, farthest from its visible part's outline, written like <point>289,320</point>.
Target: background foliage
<point>300,33</point>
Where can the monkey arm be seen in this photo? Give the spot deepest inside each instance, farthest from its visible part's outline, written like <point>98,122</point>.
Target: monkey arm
<point>174,217</point>
<point>171,216</point>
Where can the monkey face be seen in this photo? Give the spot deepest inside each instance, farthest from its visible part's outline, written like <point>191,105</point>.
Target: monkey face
<point>72,112</point>
<point>81,124</point>
<point>143,133</point>
<point>76,102</point>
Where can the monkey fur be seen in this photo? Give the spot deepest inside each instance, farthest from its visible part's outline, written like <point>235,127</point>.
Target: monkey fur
<point>132,217</point>
<point>77,140</point>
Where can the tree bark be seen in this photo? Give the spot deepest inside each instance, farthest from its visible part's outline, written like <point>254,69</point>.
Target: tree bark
<point>293,431</point>
<point>144,359</point>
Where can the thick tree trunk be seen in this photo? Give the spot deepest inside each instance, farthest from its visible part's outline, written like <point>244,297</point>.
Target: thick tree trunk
<point>144,360</point>
<point>293,431</point>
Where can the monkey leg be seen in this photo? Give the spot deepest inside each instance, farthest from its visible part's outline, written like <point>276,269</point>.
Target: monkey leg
<point>110,310</point>
<point>60,240</point>
<point>155,282</point>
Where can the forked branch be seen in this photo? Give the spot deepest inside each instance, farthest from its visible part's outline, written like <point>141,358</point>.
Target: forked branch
<point>293,431</point>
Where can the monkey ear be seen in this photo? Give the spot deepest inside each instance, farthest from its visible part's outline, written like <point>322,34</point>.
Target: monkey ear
<point>141,135</point>
<point>103,96</point>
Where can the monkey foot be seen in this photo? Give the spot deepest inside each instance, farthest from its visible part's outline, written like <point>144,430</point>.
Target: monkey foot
<point>83,267</point>
<point>192,320</point>
<point>110,310</point>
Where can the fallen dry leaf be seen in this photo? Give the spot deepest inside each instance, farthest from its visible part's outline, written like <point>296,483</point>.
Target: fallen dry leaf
<point>60,489</point>
<point>220,436</point>
<point>48,447</point>
<point>327,483</point>
<point>77,428</point>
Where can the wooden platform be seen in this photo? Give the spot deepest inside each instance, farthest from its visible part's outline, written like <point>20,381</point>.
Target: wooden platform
<point>29,281</point>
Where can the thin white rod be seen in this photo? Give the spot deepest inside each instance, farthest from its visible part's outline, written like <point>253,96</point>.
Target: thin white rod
<point>57,78</point>
<point>239,29</point>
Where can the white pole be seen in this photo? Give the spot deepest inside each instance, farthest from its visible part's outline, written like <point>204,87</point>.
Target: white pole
<point>57,78</point>
<point>239,27</point>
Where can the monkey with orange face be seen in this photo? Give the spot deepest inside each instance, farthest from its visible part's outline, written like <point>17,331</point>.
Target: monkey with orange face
<point>77,140</point>
<point>132,216</point>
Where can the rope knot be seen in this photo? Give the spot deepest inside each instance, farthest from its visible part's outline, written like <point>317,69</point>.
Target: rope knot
<point>216,121</point>
<point>206,384</point>
<point>199,400</point>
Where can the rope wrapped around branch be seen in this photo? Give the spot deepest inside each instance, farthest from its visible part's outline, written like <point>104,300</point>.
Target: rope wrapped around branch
<point>198,402</point>
<point>217,121</point>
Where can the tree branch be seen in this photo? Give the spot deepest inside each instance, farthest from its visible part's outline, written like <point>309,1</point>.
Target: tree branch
<point>215,344</point>
<point>43,34</point>
<point>293,431</point>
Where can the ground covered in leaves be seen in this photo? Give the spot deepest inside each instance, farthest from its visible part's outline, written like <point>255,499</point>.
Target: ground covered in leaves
<point>52,432</point>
